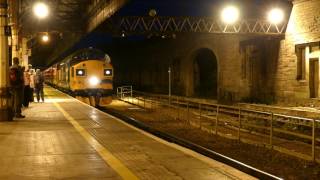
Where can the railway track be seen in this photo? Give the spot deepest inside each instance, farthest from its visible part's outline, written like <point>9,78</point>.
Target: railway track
<point>195,147</point>
<point>293,135</point>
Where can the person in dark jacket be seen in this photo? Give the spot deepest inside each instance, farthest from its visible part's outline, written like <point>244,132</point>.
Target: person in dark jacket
<point>38,81</point>
<point>16,87</point>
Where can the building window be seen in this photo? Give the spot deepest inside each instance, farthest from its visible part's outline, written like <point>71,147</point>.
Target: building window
<point>301,63</point>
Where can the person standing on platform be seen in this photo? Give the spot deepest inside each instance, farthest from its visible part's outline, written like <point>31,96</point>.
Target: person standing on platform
<point>16,87</point>
<point>39,85</point>
<point>32,85</point>
<point>26,92</point>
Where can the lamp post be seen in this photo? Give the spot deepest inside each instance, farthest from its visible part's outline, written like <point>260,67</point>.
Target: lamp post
<point>169,72</point>
<point>5,108</point>
<point>14,23</point>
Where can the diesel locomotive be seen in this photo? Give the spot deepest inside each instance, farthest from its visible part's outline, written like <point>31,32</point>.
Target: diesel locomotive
<point>86,73</point>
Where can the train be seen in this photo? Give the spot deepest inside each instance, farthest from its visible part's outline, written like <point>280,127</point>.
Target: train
<point>85,73</point>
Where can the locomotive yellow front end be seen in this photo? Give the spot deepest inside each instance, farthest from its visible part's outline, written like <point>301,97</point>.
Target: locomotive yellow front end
<point>86,73</point>
<point>91,78</point>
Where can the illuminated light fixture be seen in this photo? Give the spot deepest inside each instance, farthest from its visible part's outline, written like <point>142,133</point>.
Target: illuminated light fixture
<point>41,10</point>
<point>45,38</point>
<point>230,14</point>
<point>107,72</point>
<point>94,81</point>
<point>80,72</point>
<point>152,12</point>
<point>275,16</point>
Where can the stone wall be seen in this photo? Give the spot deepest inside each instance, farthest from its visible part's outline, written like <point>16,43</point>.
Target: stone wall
<point>260,57</point>
<point>303,28</point>
<point>145,64</point>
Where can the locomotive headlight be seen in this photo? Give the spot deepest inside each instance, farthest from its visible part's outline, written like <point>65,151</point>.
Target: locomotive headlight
<point>80,72</point>
<point>108,72</point>
<point>94,81</point>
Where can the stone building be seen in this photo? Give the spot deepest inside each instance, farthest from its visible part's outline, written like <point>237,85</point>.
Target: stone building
<point>231,67</point>
<point>297,75</point>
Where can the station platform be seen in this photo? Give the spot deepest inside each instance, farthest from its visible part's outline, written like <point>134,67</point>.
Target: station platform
<point>64,138</point>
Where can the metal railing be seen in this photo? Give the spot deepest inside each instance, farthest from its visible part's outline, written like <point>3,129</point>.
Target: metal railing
<point>124,91</point>
<point>292,135</point>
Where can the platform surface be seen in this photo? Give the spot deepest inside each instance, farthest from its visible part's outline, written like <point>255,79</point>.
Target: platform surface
<point>66,139</point>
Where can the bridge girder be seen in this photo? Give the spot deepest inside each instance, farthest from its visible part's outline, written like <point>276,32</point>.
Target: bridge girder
<point>146,24</point>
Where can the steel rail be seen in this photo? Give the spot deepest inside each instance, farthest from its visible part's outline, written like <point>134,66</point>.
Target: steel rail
<point>195,147</point>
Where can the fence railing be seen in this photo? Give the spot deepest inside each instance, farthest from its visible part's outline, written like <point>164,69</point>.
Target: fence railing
<point>297,136</point>
<point>124,91</point>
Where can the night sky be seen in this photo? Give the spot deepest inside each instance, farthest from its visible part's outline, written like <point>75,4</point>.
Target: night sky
<point>195,7</point>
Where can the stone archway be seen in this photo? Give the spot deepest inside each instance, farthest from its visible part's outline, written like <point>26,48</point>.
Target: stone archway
<point>205,74</point>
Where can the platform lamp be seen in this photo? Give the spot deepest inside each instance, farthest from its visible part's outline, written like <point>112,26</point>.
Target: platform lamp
<point>230,14</point>
<point>45,37</point>
<point>40,10</point>
<point>275,16</point>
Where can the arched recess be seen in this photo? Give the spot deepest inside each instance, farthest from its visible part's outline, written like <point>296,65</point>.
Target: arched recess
<point>205,74</point>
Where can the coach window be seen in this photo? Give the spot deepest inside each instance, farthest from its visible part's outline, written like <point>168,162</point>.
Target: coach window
<point>301,63</point>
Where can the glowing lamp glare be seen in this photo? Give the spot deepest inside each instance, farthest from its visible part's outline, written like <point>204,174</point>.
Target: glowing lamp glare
<point>275,16</point>
<point>230,14</point>
<point>40,10</point>
<point>45,38</point>
<point>94,81</point>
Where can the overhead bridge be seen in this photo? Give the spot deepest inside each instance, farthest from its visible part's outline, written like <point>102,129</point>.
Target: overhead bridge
<point>147,24</point>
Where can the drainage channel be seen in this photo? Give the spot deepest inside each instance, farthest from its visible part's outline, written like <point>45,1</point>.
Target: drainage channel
<point>195,147</point>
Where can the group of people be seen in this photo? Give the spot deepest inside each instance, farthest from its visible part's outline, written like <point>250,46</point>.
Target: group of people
<point>23,83</point>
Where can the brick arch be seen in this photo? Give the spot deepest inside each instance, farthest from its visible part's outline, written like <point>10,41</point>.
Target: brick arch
<point>202,74</point>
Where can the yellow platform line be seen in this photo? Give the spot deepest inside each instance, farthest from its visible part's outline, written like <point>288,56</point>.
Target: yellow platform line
<point>107,156</point>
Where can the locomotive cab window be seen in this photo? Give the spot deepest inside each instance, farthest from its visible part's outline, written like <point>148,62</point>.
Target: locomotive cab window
<point>108,72</point>
<point>80,72</point>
